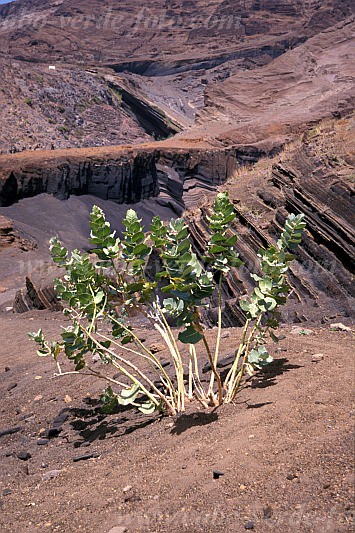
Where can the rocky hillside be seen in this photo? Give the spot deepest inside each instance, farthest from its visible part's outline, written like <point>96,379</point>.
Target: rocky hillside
<point>181,59</point>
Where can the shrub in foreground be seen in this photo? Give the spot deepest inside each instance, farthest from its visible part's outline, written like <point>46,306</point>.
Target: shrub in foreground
<point>102,289</point>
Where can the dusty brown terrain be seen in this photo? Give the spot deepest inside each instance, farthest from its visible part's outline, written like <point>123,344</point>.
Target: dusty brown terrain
<point>285,448</point>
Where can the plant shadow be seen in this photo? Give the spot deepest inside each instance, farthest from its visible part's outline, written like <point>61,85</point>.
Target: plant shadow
<point>185,422</point>
<point>267,377</point>
<point>91,424</point>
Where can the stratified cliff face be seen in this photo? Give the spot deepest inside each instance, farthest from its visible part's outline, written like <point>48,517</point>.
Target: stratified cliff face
<point>123,175</point>
<point>314,177</point>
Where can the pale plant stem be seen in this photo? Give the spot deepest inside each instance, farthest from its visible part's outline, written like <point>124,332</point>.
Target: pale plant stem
<point>195,371</point>
<point>129,350</point>
<point>211,361</point>
<point>219,332</point>
<point>201,400</point>
<point>180,369</point>
<point>234,384</point>
<point>231,374</point>
<point>190,394</point>
<point>92,373</point>
<point>130,376</point>
<point>150,354</point>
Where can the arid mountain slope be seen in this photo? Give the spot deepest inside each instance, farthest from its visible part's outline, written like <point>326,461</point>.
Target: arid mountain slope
<point>176,58</point>
<point>87,31</point>
<point>267,104</point>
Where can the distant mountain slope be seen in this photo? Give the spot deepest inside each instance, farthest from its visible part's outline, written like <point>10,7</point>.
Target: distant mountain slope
<point>217,60</point>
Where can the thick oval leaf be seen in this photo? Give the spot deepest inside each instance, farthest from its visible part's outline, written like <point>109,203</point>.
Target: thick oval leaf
<point>190,336</point>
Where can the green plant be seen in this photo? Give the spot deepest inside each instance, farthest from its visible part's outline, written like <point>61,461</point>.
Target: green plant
<point>63,129</point>
<point>101,294</point>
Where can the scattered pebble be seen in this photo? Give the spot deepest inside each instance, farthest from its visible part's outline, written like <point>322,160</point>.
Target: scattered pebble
<point>316,358</point>
<point>225,335</point>
<point>60,419</point>
<point>127,488</point>
<point>156,347</point>
<point>118,529</point>
<point>301,331</point>
<point>42,442</point>
<point>11,386</point>
<point>85,444</point>
<point>24,456</point>
<point>67,399</point>
<point>7,369</point>
<point>51,433</point>
<point>85,457</point>
<point>267,512</point>
<point>340,327</point>
<point>291,477</point>
<point>249,525</point>
<point>6,492</point>
<point>242,487</point>
<point>51,474</point>
<point>38,398</point>
<point>217,474</point>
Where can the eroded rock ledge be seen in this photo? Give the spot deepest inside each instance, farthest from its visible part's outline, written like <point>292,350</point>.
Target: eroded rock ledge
<point>124,175</point>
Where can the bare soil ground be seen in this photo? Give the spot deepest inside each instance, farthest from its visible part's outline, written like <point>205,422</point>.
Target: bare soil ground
<point>285,448</point>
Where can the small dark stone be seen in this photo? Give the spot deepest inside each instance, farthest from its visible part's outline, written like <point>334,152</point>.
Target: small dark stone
<point>85,457</point>
<point>44,465</point>
<point>226,361</point>
<point>85,444</point>
<point>165,363</point>
<point>17,410</point>
<point>217,474</point>
<point>60,419</point>
<point>52,474</point>
<point>6,492</point>
<point>51,433</point>
<point>184,467</point>
<point>28,415</point>
<point>9,454</point>
<point>11,386</point>
<point>24,456</point>
<point>290,477</point>
<point>249,525</point>
<point>267,512</point>
<point>7,369</point>
<point>42,442</point>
